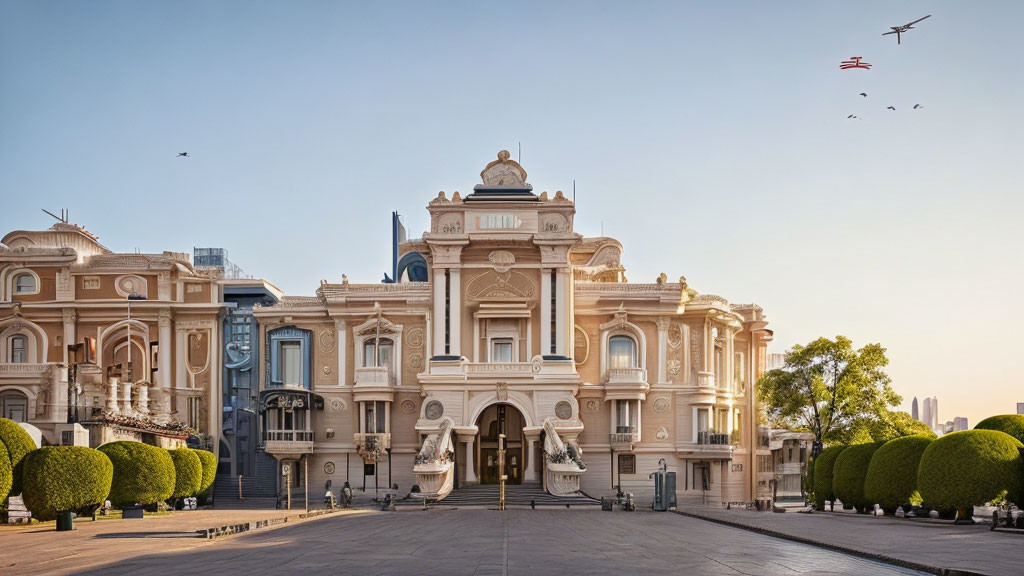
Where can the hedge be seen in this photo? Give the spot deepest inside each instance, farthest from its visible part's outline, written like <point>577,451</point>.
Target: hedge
<point>209,462</point>
<point>143,474</point>
<point>188,472</point>
<point>1012,424</point>
<point>848,475</point>
<point>892,475</point>
<point>823,475</point>
<point>63,478</point>
<point>6,474</point>
<point>969,468</point>
<point>18,444</point>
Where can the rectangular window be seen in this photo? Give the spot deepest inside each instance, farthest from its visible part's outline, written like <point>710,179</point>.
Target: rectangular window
<point>26,283</point>
<point>501,350</point>
<point>375,417</point>
<point>290,358</point>
<point>19,353</point>
<point>626,416</point>
<point>627,464</point>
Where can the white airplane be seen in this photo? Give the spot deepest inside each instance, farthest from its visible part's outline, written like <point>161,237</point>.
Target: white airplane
<point>897,30</point>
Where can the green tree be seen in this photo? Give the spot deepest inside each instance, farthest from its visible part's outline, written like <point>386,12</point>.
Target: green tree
<point>887,426</point>
<point>829,388</point>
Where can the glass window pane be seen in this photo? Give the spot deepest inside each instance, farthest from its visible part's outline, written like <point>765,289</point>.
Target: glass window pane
<point>381,407</point>
<point>19,352</point>
<point>291,363</point>
<point>25,283</point>
<point>501,350</point>
<point>621,352</point>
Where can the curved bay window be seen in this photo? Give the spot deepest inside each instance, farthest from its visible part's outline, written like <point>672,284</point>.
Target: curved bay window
<point>381,354</point>
<point>622,352</point>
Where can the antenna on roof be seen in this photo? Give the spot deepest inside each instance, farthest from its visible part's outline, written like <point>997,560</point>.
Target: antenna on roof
<point>520,158</point>
<point>63,218</point>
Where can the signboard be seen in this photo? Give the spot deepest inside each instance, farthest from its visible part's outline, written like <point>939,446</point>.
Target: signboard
<point>286,469</point>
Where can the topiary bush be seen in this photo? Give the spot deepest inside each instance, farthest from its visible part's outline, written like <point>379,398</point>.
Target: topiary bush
<point>18,444</point>
<point>143,474</point>
<point>62,478</point>
<point>209,462</point>
<point>6,474</point>
<point>969,468</point>
<point>823,475</point>
<point>1012,424</point>
<point>188,472</point>
<point>848,473</point>
<point>892,474</point>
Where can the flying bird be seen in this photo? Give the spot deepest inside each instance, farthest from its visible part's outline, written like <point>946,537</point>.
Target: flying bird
<point>853,116</point>
<point>916,106</point>
<point>864,94</point>
<point>889,108</point>
<point>897,30</point>
<point>182,155</point>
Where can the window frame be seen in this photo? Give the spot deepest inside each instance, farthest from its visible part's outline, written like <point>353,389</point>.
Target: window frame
<point>634,356</point>
<point>11,348</point>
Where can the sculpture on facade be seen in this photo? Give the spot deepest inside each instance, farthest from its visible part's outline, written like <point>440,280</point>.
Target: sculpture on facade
<point>434,467</point>
<point>564,462</point>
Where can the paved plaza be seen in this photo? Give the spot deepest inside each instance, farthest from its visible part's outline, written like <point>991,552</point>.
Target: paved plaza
<point>440,541</point>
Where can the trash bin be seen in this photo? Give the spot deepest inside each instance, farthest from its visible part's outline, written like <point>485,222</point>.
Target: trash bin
<point>606,504</point>
<point>659,491</point>
<point>65,521</point>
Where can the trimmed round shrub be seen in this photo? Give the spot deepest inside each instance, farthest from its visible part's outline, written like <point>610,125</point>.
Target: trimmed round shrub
<point>848,473</point>
<point>6,474</point>
<point>969,468</point>
<point>892,474</point>
<point>188,472</point>
<point>63,478</point>
<point>143,474</point>
<point>209,461</point>
<point>18,444</point>
<point>1012,424</point>
<point>823,475</point>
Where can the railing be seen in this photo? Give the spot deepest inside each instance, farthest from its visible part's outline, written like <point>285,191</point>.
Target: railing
<point>373,442</point>
<point>624,435</point>
<point>499,368</point>
<point>287,436</point>
<point>712,439</point>
<point>627,375</point>
<point>374,376</point>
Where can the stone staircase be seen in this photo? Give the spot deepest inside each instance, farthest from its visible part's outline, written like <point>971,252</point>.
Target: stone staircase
<point>519,496</point>
<point>259,490</point>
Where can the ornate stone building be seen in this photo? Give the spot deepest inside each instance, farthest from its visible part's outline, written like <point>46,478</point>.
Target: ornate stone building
<point>149,322</point>
<point>517,326</point>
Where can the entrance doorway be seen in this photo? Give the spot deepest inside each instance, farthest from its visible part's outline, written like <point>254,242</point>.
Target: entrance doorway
<point>500,419</point>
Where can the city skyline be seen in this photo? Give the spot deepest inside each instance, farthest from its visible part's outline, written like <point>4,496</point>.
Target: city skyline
<point>319,122</point>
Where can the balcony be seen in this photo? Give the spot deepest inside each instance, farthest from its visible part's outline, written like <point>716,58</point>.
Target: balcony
<point>284,443</point>
<point>710,445</point>
<point>623,438</point>
<point>372,446</point>
<point>626,384</point>
<point>374,383</point>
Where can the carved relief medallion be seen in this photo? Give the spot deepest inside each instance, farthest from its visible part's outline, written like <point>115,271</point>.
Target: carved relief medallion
<point>674,366</point>
<point>661,404</point>
<point>326,369</point>
<point>581,349</point>
<point>661,434</point>
<point>326,341</point>
<point>433,410</point>
<point>502,260</point>
<point>592,406</point>
<point>130,284</point>
<point>414,338</point>
<point>337,405</point>
<point>563,410</point>
<point>408,406</point>
<point>416,361</point>
<point>501,391</point>
<point>328,467</point>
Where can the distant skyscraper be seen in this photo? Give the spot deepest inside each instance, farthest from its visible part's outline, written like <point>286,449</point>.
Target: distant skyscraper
<point>935,413</point>
<point>926,412</point>
<point>1020,407</point>
<point>913,410</point>
<point>959,423</point>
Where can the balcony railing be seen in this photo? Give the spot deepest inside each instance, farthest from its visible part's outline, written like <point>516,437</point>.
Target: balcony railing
<point>624,434</point>
<point>712,439</point>
<point>374,376</point>
<point>287,441</point>
<point>627,375</point>
<point>372,442</point>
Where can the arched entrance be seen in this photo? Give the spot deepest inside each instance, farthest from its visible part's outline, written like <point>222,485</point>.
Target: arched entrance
<point>494,420</point>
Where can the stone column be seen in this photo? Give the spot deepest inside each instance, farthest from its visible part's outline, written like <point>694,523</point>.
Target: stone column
<point>562,312</point>
<point>545,311</point>
<point>341,330</point>
<point>180,356</point>
<point>126,399</point>
<point>531,469</point>
<point>471,477</point>
<point>69,332</point>
<point>112,396</point>
<point>142,400</point>
<point>439,315</point>
<point>662,347</point>
<point>455,303</point>
<point>163,371</point>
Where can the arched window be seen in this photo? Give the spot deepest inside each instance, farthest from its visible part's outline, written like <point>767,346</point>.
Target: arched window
<point>621,352</point>
<point>18,346</point>
<point>385,353</point>
<point>25,284</point>
<point>14,406</point>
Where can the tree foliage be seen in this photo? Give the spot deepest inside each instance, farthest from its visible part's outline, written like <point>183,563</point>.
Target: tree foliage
<point>889,426</point>
<point>1012,424</point>
<point>143,474</point>
<point>892,474</point>
<point>18,444</point>
<point>829,388</point>
<point>848,473</point>
<point>970,468</point>
<point>65,478</point>
<point>823,468</point>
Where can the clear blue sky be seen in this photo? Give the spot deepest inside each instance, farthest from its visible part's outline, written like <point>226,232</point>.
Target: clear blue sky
<point>715,129</point>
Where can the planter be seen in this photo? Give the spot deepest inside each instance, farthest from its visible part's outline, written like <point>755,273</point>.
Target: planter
<point>132,513</point>
<point>65,521</point>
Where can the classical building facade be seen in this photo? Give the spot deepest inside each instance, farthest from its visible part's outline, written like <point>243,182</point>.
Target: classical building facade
<point>505,323</point>
<point>124,344</point>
